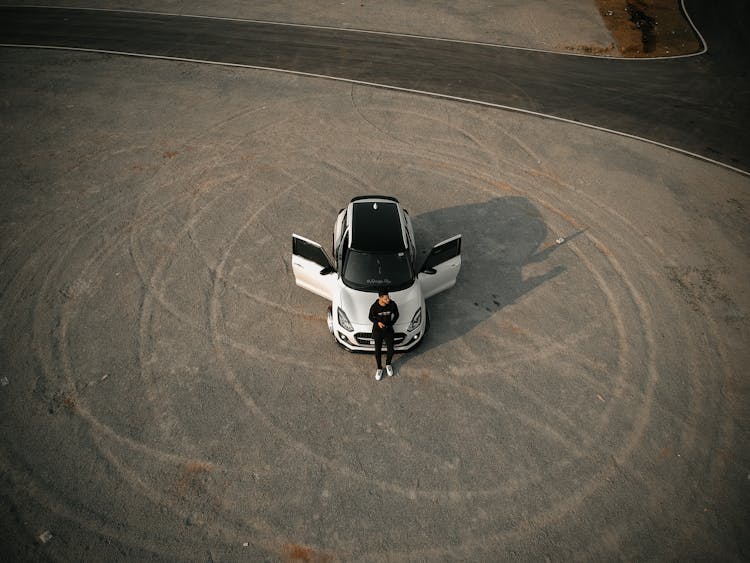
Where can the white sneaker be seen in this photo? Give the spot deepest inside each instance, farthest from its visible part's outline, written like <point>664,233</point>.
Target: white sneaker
<point>378,375</point>
<point>389,370</point>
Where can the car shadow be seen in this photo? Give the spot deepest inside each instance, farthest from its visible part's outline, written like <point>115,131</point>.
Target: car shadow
<point>500,238</point>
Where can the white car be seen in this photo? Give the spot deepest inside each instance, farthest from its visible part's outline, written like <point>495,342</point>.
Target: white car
<point>373,249</point>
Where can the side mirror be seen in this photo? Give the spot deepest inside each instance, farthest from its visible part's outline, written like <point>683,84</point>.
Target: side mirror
<point>429,271</point>
<point>327,270</point>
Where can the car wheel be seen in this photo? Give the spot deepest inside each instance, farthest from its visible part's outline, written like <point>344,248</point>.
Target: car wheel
<point>329,319</point>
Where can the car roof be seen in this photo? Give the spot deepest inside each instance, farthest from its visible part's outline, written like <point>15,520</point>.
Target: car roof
<point>376,225</point>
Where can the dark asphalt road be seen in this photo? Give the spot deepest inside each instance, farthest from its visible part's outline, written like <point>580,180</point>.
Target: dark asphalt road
<point>699,104</point>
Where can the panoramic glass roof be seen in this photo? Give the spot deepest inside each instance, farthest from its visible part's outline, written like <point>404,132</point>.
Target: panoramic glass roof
<point>376,227</point>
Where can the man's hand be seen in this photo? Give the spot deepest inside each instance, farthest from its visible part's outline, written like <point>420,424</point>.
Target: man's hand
<point>381,325</point>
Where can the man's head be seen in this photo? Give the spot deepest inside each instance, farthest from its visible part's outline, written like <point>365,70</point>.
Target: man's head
<point>383,297</point>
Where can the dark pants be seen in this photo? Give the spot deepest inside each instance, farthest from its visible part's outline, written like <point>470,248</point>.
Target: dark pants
<point>380,335</point>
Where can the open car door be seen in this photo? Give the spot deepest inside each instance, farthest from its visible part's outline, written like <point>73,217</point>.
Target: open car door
<point>312,268</point>
<point>440,270</point>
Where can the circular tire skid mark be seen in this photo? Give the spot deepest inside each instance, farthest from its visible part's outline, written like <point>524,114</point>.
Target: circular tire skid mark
<point>513,415</point>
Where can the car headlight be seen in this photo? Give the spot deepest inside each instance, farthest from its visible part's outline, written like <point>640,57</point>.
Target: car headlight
<point>416,320</point>
<point>344,320</point>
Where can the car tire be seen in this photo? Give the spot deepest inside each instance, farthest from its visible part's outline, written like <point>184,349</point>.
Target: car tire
<point>329,318</point>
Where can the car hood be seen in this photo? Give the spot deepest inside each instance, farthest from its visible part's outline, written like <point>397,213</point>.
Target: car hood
<point>357,303</point>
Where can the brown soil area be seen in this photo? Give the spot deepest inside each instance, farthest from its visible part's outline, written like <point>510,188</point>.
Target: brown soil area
<point>648,28</point>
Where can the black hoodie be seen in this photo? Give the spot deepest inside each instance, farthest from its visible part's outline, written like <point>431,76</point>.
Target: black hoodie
<point>386,314</point>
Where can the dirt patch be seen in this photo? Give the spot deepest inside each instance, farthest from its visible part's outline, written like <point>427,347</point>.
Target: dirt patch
<point>192,479</point>
<point>698,286</point>
<point>649,28</point>
<point>61,399</point>
<point>296,552</point>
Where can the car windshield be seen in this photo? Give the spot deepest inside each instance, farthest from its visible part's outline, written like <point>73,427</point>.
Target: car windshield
<point>370,271</point>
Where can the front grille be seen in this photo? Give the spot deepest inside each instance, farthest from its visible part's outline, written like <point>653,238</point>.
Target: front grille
<point>365,338</point>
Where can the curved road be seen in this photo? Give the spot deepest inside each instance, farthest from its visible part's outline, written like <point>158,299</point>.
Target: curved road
<point>696,104</point>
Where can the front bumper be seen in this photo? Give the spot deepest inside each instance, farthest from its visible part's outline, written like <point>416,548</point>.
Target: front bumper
<point>360,339</point>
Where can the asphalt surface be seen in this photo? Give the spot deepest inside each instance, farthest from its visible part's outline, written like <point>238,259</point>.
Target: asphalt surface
<point>167,393</point>
<point>696,104</point>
